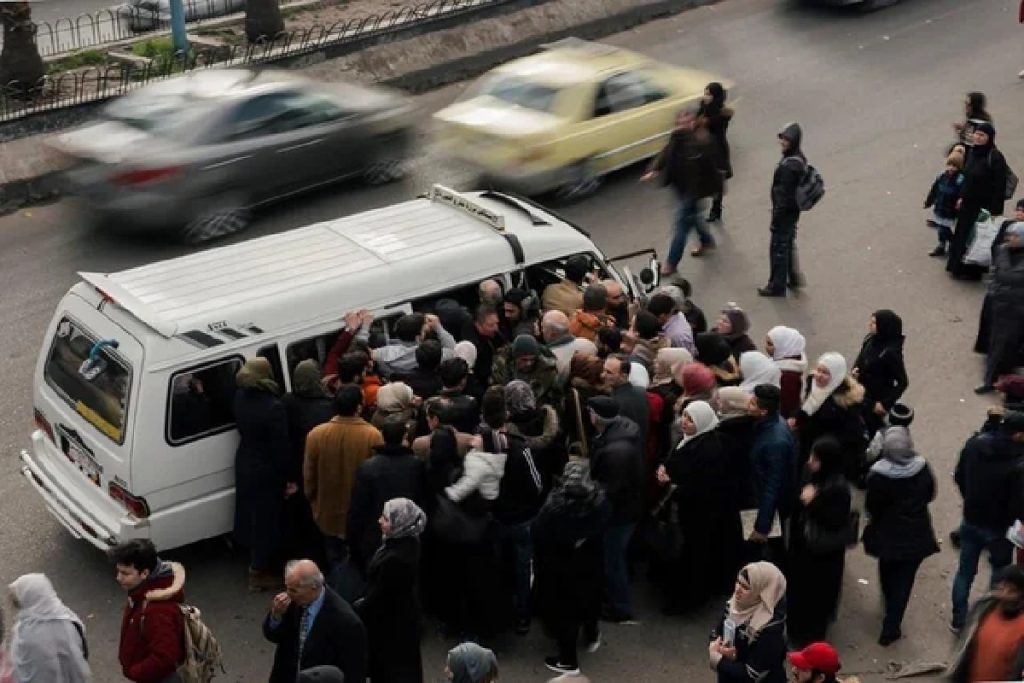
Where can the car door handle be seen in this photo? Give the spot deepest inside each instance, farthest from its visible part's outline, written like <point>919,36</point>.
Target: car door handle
<point>292,148</point>
<point>226,162</point>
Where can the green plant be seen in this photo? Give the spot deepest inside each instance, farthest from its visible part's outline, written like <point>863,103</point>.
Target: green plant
<point>77,61</point>
<point>154,48</point>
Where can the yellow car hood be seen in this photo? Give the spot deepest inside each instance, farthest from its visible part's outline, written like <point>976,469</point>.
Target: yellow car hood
<point>487,114</point>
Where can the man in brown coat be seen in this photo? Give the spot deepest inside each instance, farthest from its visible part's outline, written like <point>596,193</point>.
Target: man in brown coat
<point>334,451</point>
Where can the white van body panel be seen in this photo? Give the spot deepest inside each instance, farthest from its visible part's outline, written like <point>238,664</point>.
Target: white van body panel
<point>182,315</point>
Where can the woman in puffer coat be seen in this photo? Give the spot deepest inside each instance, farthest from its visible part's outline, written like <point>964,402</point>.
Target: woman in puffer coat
<point>832,407</point>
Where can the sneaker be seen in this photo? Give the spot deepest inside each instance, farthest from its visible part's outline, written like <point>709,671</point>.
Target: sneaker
<point>559,668</point>
<point>771,291</point>
<point>984,389</point>
<point>938,251</point>
<point>594,645</point>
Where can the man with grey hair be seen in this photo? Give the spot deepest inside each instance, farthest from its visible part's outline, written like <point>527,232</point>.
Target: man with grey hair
<point>554,328</point>
<point>313,626</point>
<point>490,293</point>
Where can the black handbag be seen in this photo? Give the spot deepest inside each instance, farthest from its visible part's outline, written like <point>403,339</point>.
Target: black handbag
<point>663,535</point>
<point>453,524</point>
<point>823,541</point>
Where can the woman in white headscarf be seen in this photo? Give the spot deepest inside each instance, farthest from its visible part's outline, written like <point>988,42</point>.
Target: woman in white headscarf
<point>750,641</point>
<point>832,408</point>
<point>48,640</point>
<point>391,608</point>
<point>786,347</point>
<point>700,493</point>
<point>757,368</point>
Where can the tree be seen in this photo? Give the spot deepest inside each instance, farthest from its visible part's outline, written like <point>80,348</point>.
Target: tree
<point>19,59</point>
<point>262,20</point>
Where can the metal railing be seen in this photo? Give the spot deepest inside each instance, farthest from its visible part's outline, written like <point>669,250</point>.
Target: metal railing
<point>91,84</point>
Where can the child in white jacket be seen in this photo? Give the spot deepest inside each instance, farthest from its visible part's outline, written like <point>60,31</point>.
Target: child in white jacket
<point>481,470</point>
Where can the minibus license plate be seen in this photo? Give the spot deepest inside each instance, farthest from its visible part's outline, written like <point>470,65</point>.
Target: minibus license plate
<point>85,462</point>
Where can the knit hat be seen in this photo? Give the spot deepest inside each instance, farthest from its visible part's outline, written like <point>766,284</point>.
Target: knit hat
<point>955,159</point>
<point>604,406</point>
<point>901,415</point>
<point>1013,422</point>
<point>987,128</point>
<point>525,345</point>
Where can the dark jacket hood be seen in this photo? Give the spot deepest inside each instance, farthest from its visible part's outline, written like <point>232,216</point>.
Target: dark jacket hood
<point>795,135</point>
<point>621,429</point>
<point>321,674</point>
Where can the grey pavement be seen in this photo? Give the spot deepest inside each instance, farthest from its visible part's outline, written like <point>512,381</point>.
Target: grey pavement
<point>876,95</point>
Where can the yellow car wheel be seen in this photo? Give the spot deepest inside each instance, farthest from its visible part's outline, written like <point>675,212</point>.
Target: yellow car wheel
<point>583,181</point>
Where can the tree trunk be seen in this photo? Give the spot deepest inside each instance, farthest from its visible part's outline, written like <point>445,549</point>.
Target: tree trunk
<point>262,20</point>
<point>19,59</point>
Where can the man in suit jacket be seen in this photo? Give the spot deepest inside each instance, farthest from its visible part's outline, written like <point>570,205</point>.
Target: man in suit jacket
<point>312,626</point>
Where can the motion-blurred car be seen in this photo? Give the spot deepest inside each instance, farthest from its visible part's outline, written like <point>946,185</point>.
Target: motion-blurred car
<point>196,153</point>
<point>146,15</point>
<point>565,117</point>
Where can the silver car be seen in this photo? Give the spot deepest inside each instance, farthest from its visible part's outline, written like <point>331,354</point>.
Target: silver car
<point>195,154</point>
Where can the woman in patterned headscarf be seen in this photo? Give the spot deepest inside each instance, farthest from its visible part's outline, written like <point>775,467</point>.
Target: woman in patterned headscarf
<point>391,608</point>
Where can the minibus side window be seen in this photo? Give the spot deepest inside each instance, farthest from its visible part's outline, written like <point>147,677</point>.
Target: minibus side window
<point>200,401</point>
<point>273,357</point>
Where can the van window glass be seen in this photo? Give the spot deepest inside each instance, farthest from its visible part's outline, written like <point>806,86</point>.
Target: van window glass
<point>541,275</point>
<point>201,400</point>
<point>273,356</point>
<point>91,376</point>
<point>315,348</point>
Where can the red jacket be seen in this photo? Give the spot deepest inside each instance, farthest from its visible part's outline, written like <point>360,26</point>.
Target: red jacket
<point>152,627</point>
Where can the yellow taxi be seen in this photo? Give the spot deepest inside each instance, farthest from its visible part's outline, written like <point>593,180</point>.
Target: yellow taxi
<point>565,117</point>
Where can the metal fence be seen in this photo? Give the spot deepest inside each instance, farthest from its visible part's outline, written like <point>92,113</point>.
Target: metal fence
<point>91,84</point>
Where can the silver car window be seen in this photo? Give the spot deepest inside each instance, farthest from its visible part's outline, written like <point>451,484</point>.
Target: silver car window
<point>280,113</point>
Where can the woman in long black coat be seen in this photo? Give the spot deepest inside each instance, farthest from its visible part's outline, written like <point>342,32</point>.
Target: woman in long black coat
<point>263,470</point>
<point>391,608</point>
<point>900,486</point>
<point>984,188</point>
<point>569,561</point>
<point>817,550</point>
<point>704,506</point>
<point>880,368</point>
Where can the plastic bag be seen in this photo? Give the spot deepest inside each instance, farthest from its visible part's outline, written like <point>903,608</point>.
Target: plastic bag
<point>979,252</point>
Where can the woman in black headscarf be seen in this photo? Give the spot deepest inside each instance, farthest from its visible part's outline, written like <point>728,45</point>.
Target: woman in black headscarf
<point>974,113</point>
<point>717,116</point>
<point>880,368</point>
<point>820,534</point>
<point>984,188</point>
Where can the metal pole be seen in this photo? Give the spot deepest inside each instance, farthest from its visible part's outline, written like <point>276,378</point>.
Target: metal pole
<point>178,35</point>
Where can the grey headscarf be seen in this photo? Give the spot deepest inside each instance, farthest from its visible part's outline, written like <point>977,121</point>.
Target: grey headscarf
<point>306,380</point>
<point>470,663</point>
<point>45,640</point>
<point>519,397</point>
<point>406,517</point>
<point>899,459</point>
<point>321,674</point>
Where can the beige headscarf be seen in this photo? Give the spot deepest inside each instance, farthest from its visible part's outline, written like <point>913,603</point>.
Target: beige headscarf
<point>733,401</point>
<point>667,362</point>
<point>767,589</point>
<point>394,397</point>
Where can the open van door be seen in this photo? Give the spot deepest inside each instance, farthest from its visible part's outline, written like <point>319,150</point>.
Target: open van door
<point>640,284</point>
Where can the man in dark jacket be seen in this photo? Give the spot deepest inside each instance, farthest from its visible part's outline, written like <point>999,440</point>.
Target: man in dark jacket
<point>617,464</point>
<point>992,645</point>
<point>773,457</point>
<point>313,626</point>
<point>690,164</point>
<point>465,409</point>
<point>424,378</point>
<point>631,399</point>
<point>484,333</point>
<point>785,214</point>
<point>1006,296</point>
<point>152,627</point>
<point>392,472</point>
<point>988,475</point>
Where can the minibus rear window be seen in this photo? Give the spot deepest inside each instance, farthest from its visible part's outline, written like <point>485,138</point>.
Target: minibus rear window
<point>88,373</point>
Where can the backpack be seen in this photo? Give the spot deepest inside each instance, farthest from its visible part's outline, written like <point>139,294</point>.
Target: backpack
<point>811,188</point>
<point>1011,178</point>
<point>202,651</point>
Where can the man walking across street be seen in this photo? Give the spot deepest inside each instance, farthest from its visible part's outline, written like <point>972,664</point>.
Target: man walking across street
<point>785,214</point>
<point>152,626</point>
<point>988,475</point>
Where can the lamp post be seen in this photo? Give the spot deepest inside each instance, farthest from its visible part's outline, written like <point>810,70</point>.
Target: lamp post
<point>178,36</point>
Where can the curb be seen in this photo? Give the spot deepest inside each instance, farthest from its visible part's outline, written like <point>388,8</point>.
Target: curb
<point>18,194</point>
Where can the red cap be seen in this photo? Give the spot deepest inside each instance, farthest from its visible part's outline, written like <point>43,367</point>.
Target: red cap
<point>816,657</point>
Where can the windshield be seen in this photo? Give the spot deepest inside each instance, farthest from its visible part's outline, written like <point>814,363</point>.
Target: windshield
<point>159,113</point>
<point>520,92</point>
<point>89,374</point>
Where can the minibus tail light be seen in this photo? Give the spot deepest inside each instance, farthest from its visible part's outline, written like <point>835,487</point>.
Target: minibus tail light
<point>138,507</point>
<point>43,425</point>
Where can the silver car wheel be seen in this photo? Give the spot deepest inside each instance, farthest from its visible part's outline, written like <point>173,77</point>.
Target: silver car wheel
<point>583,182</point>
<point>384,171</point>
<point>229,217</point>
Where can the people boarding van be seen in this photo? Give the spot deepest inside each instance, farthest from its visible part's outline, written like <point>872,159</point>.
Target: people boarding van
<point>133,389</point>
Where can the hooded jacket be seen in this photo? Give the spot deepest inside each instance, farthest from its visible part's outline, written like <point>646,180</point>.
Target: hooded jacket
<point>690,163</point>
<point>900,526</point>
<point>47,643</point>
<point>880,365</point>
<point>616,463</point>
<point>988,475</point>
<point>791,168</point>
<point>152,626</point>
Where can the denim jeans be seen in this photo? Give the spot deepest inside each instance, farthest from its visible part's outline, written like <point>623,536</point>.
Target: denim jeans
<point>688,217</point>
<point>616,545</point>
<point>973,541</point>
<point>515,544</point>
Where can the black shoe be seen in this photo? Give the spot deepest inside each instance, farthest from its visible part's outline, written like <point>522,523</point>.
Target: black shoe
<point>954,538</point>
<point>560,668</point>
<point>888,638</point>
<point>714,216</point>
<point>938,252</point>
<point>522,627</point>
<point>984,389</point>
<point>771,291</point>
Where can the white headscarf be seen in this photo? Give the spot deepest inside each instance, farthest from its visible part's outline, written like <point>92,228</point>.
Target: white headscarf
<point>467,352</point>
<point>704,418</point>
<point>787,342</point>
<point>45,642</point>
<point>757,368</point>
<point>837,368</point>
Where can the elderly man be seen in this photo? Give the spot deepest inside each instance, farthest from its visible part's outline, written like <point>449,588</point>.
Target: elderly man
<point>489,292</point>
<point>313,626</point>
<point>554,328</point>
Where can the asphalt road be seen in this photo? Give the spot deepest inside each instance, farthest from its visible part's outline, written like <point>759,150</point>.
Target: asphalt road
<point>876,95</point>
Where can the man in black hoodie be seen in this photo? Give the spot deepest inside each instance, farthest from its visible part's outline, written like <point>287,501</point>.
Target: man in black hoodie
<point>616,463</point>
<point>988,475</point>
<point>785,213</point>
